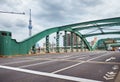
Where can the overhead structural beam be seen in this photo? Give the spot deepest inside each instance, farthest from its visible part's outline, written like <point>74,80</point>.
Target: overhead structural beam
<point>109,20</point>
<point>99,28</point>
<point>94,26</point>
<point>105,33</point>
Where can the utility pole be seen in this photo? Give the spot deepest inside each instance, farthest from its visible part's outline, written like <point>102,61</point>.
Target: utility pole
<point>30,24</point>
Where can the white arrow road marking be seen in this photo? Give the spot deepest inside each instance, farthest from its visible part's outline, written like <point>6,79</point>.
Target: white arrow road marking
<point>112,73</point>
<point>108,78</point>
<point>111,58</point>
<point>109,75</point>
<point>115,67</point>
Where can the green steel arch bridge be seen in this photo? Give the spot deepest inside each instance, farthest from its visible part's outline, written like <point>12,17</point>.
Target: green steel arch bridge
<point>9,46</point>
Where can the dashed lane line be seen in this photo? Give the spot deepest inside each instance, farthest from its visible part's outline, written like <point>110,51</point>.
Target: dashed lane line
<point>36,64</point>
<point>71,78</point>
<point>25,61</point>
<point>51,60</point>
<point>79,63</point>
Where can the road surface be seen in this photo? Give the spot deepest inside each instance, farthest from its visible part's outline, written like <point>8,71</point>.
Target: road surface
<point>97,66</point>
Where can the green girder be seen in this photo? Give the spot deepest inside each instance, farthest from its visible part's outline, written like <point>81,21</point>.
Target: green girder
<point>23,47</point>
<point>94,26</point>
<point>71,42</point>
<point>32,40</point>
<point>105,33</point>
<point>102,40</point>
<point>57,42</point>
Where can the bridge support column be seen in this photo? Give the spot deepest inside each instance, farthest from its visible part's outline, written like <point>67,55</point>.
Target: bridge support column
<point>65,42</point>
<point>71,42</point>
<point>76,43</point>
<point>81,45</point>
<point>57,42</point>
<point>47,44</point>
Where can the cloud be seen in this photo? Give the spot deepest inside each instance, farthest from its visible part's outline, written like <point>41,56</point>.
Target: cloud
<point>21,23</point>
<point>47,14</point>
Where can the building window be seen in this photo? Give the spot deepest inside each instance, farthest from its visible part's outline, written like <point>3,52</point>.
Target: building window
<point>4,34</point>
<point>10,34</point>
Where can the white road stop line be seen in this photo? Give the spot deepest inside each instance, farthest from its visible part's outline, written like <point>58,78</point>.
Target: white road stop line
<point>77,79</point>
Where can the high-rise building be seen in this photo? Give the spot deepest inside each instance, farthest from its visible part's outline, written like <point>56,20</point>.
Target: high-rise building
<point>68,39</point>
<point>94,41</point>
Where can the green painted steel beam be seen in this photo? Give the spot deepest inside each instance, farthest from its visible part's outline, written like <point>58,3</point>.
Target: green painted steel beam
<point>109,20</point>
<point>81,45</point>
<point>71,42</point>
<point>23,47</point>
<point>77,43</point>
<point>47,44</point>
<point>105,33</point>
<point>57,42</point>
<point>84,40</point>
<point>65,42</point>
<point>94,26</point>
<point>115,45</point>
<point>42,34</point>
<point>102,40</point>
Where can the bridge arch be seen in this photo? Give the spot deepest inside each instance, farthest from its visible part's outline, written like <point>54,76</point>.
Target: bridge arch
<point>23,47</point>
<point>102,40</point>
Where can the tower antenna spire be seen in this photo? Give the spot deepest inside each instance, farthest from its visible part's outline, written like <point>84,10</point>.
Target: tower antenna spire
<point>30,24</point>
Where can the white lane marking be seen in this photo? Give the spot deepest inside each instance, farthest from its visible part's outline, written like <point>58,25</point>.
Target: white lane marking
<point>82,58</point>
<point>49,74</point>
<point>72,57</point>
<point>25,61</point>
<point>33,60</point>
<point>19,62</point>
<point>78,63</point>
<point>36,64</point>
<point>68,67</point>
<point>44,62</point>
<point>64,58</point>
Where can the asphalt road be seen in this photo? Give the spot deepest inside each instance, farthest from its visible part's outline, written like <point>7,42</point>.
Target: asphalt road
<point>98,66</point>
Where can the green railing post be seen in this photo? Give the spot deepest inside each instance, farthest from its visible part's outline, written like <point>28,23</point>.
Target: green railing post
<point>47,44</point>
<point>65,42</point>
<point>57,42</point>
<point>71,42</point>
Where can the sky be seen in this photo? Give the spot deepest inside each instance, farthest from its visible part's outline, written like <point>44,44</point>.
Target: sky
<point>51,13</point>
